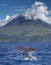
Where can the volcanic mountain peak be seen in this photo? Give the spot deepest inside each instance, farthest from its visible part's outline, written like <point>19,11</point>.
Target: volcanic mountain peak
<point>20,20</point>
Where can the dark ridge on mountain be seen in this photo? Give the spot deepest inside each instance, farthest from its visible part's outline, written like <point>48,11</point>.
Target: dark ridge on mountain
<point>20,20</point>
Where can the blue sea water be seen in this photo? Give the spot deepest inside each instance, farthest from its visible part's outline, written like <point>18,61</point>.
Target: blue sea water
<point>7,54</point>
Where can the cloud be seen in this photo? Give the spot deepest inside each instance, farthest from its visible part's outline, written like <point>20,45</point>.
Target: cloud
<point>38,3</point>
<point>4,21</point>
<point>7,19</point>
<point>38,11</point>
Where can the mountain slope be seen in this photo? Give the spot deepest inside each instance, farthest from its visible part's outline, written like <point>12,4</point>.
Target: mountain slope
<point>25,30</point>
<point>20,20</point>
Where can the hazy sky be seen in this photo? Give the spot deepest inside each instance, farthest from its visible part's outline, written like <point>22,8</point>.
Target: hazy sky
<point>11,7</point>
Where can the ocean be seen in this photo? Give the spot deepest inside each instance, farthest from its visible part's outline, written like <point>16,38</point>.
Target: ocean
<point>10,56</point>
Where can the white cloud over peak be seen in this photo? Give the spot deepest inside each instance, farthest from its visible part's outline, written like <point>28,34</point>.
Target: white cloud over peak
<point>38,11</point>
<point>7,17</point>
<point>38,3</point>
<point>4,21</point>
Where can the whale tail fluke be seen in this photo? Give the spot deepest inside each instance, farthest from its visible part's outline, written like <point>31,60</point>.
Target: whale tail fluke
<point>28,52</point>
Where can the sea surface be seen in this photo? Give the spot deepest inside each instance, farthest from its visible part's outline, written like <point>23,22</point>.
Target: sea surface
<point>10,56</point>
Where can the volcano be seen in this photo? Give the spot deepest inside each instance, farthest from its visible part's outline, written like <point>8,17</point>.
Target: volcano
<point>20,29</point>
